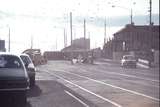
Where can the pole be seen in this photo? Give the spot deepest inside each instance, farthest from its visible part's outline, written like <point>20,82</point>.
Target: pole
<point>105,31</point>
<point>66,39</point>
<point>131,16</point>
<point>85,43</point>
<point>150,12</point>
<point>9,41</point>
<point>71,25</point>
<point>71,37</point>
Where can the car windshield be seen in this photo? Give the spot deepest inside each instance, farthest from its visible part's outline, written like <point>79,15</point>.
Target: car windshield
<point>9,61</point>
<point>129,57</point>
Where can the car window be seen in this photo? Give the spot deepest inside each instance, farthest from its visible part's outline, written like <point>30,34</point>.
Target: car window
<point>25,59</point>
<point>8,61</point>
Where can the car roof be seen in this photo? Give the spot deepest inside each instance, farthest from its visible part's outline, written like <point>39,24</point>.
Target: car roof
<point>8,53</point>
<point>23,54</point>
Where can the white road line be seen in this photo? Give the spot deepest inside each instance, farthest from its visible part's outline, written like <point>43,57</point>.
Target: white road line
<point>105,99</point>
<point>130,76</point>
<point>76,98</point>
<point>130,91</point>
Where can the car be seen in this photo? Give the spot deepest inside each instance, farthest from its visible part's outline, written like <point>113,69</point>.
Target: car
<point>14,79</point>
<point>31,69</point>
<point>128,61</point>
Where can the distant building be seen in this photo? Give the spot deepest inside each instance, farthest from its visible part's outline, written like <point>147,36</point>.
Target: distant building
<point>2,46</point>
<point>81,43</point>
<point>53,55</point>
<point>79,46</point>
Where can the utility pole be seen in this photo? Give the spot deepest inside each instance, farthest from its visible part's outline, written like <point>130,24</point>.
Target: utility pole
<point>131,16</point>
<point>150,12</point>
<point>85,43</point>
<point>64,38</point>
<point>105,31</point>
<point>9,41</point>
<point>71,25</point>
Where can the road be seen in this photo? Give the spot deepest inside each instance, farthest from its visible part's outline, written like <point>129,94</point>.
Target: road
<point>102,84</point>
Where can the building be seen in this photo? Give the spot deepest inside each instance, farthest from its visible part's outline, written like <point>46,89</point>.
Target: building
<point>108,50</point>
<point>139,40</point>
<point>2,45</point>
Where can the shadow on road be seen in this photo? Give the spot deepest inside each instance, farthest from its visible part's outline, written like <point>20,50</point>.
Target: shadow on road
<point>8,100</point>
<point>42,92</point>
<point>34,91</point>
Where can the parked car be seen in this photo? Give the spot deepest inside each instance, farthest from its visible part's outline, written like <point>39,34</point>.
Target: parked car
<point>14,79</point>
<point>128,61</point>
<point>31,70</point>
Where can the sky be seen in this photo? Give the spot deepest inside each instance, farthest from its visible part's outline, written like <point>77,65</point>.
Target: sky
<point>45,20</point>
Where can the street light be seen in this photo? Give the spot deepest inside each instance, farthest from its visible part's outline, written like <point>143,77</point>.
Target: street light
<point>129,9</point>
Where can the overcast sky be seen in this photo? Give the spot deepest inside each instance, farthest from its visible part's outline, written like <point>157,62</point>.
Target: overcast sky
<point>45,20</point>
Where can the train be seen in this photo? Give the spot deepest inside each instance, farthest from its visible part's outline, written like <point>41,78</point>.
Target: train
<point>36,56</point>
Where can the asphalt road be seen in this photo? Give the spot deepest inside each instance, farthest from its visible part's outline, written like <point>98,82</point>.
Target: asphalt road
<point>106,84</point>
<point>103,84</point>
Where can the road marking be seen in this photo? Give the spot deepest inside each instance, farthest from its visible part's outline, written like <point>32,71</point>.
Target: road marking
<point>97,95</point>
<point>102,63</point>
<point>133,92</point>
<point>76,98</point>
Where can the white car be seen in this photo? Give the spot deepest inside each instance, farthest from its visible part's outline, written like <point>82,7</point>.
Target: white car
<point>31,69</point>
<point>128,61</point>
